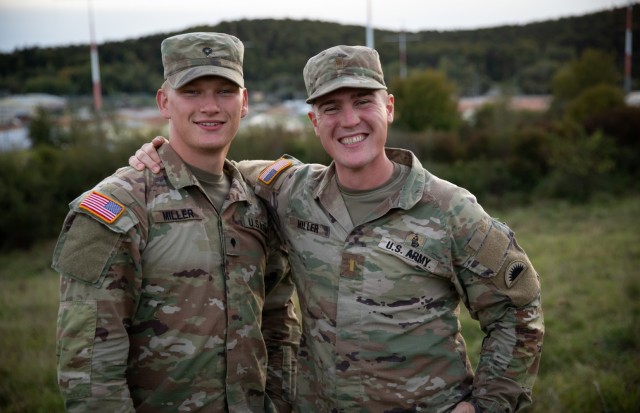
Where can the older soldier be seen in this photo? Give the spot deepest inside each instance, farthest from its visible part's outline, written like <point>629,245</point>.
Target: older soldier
<point>175,294</point>
<point>383,253</point>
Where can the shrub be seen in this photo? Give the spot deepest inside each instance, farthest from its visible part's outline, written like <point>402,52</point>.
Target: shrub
<point>37,185</point>
<point>593,100</point>
<point>425,100</point>
<point>622,124</point>
<point>580,166</point>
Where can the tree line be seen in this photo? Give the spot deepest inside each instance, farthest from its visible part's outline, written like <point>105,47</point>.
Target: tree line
<point>523,58</point>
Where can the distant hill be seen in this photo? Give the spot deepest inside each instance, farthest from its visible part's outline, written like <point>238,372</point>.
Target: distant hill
<point>524,57</point>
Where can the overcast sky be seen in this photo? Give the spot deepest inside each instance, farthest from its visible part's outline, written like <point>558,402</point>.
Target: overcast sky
<point>25,23</point>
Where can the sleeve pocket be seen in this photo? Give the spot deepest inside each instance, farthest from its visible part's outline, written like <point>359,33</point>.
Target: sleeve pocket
<point>75,340</point>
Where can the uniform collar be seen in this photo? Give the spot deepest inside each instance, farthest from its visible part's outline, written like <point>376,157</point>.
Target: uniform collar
<point>325,187</point>
<point>180,176</point>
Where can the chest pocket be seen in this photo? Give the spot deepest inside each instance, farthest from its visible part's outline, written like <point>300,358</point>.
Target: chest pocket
<point>307,227</point>
<point>175,215</point>
<point>178,239</point>
<point>408,275</point>
<point>416,251</point>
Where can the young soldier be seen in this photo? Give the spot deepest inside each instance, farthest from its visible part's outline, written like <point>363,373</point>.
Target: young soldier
<point>175,293</point>
<point>383,253</point>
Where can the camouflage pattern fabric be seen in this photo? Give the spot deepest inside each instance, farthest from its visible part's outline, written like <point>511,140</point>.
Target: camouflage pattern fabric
<point>340,67</point>
<point>380,302</point>
<point>188,56</point>
<point>173,307</point>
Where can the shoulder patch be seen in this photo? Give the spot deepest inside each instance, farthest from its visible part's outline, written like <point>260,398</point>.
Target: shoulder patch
<point>512,272</point>
<point>272,171</point>
<point>105,208</point>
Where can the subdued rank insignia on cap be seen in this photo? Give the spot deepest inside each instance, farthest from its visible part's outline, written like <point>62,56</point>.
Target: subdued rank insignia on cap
<point>270,172</point>
<point>207,51</point>
<point>102,206</point>
<point>514,270</point>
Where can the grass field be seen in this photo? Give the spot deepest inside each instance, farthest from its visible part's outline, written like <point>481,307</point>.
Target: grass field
<point>588,257</point>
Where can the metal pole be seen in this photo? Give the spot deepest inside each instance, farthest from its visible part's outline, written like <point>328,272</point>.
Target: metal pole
<point>402,38</point>
<point>627,51</point>
<point>95,65</point>
<point>369,26</point>
<point>402,45</point>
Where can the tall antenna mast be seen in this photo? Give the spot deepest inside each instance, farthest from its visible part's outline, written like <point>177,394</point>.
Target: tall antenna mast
<point>627,50</point>
<point>369,26</point>
<point>402,38</point>
<point>95,65</point>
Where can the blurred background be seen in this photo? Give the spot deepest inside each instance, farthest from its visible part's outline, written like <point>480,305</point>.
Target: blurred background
<point>534,106</point>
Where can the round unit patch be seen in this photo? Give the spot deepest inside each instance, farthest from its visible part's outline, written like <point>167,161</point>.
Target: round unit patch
<point>514,270</point>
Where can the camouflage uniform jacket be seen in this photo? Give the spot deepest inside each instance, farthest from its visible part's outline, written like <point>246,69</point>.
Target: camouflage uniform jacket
<point>165,308</point>
<point>380,301</point>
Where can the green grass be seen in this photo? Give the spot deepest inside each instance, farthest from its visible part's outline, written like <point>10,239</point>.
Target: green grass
<point>28,310</point>
<point>588,257</point>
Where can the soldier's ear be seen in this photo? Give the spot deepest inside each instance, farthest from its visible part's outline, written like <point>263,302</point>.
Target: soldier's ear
<point>390,107</point>
<point>314,121</point>
<point>162,100</point>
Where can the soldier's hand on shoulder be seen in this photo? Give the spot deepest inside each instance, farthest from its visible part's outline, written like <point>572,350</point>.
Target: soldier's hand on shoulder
<point>464,407</point>
<point>147,156</point>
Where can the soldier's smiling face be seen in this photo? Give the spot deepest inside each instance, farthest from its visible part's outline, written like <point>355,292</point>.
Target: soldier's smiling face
<point>352,126</point>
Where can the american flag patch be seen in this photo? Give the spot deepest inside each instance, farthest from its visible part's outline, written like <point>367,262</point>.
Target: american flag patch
<point>102,206</point>
<point>270,172</point>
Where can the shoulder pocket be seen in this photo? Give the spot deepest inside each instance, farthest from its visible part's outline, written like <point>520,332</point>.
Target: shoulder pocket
<point>499,257</point>
<point>76,334</point>
<point>85,251</point>
<point>488,249</point>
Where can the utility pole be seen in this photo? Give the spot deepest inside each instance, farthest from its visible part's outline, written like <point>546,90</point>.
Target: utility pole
<point>402,38</point>
<point>627,49</point>
<point>369,26</point>
<point>95,65</point>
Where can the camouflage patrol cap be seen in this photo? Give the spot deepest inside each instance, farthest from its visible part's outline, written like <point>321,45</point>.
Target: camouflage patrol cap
<point>186,57</point>
<point>343,66</point>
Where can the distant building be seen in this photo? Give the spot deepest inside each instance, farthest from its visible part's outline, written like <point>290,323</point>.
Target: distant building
<point>142,119</point>
<point>290,115</point>
<point>468,106</point>
<point>14,138</point>
<point>633,98</point>
<point>21,108</point>
<point>16,112</point>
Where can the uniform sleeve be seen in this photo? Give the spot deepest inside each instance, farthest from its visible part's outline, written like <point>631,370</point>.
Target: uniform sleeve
<point>251,169</point>
<point>98,290</point>
<point>280,327</point>
<point>267,174</point>
<point>502,291</point>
